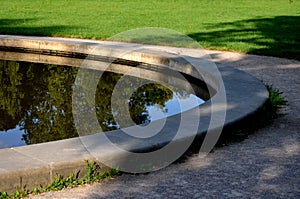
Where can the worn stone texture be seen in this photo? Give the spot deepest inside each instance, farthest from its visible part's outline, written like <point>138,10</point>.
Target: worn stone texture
<point>266,165</point>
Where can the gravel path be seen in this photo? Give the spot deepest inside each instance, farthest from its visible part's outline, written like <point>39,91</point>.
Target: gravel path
<point>266,165</point>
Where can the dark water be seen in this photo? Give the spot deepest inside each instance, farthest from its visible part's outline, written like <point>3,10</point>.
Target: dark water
<point>36,103</point>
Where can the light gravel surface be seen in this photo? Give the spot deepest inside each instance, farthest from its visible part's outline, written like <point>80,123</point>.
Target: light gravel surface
<point>266,165</point>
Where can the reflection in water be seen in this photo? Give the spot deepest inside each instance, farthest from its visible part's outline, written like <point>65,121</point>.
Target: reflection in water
<point>36,106</point>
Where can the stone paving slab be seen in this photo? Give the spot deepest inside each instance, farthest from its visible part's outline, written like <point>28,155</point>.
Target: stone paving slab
<point>15,164</point>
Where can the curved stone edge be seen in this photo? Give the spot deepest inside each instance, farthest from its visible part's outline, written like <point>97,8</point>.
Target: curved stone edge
<point>38,164</point>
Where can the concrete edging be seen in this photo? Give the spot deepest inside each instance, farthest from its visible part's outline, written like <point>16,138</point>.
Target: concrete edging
<point>38,164</point>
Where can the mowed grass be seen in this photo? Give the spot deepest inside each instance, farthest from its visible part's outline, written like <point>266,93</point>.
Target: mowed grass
<point>267,27</point>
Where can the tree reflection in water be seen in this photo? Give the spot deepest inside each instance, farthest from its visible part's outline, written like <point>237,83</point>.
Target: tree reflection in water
<point>37,98</point>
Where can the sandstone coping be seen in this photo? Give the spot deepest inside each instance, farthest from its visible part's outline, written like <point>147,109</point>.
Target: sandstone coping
<point>39,163</point>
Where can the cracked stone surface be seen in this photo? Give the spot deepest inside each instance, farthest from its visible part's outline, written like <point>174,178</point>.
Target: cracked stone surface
<point>265,165</point>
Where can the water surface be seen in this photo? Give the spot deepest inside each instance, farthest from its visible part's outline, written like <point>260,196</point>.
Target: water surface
<point>36,102</point>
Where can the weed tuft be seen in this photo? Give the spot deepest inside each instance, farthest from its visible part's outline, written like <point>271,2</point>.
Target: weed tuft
<point>93,174</point>
<point>275,97</point>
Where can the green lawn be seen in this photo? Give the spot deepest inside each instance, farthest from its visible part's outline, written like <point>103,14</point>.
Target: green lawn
<point>268,27</point>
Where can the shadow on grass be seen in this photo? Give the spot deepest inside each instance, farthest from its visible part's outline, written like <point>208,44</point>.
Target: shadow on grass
<point>21,27</point>
<point>277,36</point>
